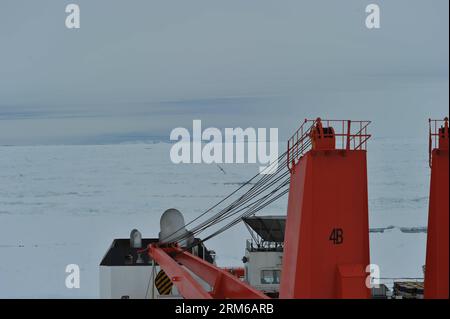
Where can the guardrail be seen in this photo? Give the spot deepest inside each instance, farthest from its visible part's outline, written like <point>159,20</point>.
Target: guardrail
<point>438,129</point>
<point>348,135</point>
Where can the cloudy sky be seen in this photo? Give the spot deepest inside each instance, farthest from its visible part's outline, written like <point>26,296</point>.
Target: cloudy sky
<point>137,69</point>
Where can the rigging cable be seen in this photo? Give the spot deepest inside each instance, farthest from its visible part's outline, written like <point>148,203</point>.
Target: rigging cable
<point>250,197</point>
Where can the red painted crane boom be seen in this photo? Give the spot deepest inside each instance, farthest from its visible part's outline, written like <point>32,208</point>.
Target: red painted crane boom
<point>189,287</point>
<point>176,263</point>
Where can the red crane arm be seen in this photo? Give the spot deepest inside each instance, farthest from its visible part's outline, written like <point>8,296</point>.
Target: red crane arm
<point>187,286</point>
<point>224,284</point>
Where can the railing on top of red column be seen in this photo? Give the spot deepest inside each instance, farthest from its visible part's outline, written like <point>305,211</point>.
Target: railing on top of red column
<point>438,129</point>
<point>349,135</point>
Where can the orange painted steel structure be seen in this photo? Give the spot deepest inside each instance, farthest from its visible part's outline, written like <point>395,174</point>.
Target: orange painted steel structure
<point>238,272</point>
<point>188,286</point>
<point>437,258</point>
<point>175,263</point>
<point>326,249</point>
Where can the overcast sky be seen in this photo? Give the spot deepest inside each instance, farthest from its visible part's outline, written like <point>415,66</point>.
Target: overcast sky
<point>138,68</point>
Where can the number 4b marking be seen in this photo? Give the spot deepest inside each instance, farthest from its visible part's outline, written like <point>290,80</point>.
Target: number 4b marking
<point>337,236</point>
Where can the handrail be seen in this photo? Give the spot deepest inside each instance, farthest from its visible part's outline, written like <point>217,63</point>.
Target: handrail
<point>434,127</point>
<point>349,135</point>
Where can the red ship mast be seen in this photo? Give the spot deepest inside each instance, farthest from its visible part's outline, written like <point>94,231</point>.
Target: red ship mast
<point>436,267</point>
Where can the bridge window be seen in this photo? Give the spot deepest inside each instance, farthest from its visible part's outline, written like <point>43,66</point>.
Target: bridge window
<point>270,276</point>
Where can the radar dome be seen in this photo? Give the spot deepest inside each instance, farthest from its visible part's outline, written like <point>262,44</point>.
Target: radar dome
<point>172,226</point>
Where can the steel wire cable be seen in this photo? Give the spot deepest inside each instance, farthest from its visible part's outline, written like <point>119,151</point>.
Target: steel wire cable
<point>235,205</point>
<point>234,212</point>
<point>238,220</point>
<point>286,173</point>
<point>263,184</point>
<point>224,199</point>
<point>249,195</point>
